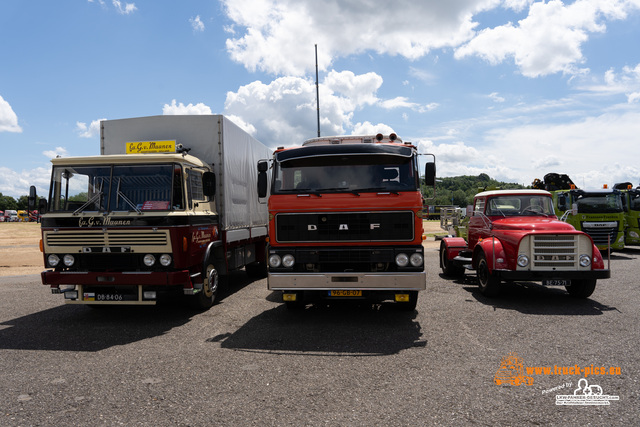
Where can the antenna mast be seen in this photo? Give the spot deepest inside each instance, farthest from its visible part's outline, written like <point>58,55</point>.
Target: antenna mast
<point>317,92</point>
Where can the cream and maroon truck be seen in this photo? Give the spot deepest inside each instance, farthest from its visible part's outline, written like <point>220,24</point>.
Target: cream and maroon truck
<point>515,236</point>
<point>167,206</point>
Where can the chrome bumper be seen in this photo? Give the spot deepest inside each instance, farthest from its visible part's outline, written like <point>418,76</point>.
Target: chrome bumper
<point>413,281</point>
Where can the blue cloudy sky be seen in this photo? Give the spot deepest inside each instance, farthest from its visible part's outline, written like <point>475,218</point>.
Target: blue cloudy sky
<point>510,88</point>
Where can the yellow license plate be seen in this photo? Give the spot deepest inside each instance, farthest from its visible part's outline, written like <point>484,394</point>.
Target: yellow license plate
<point>345,293</point>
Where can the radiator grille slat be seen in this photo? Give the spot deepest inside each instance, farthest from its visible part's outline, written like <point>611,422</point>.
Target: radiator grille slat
<point>557,251</point>
<point>109,238</point>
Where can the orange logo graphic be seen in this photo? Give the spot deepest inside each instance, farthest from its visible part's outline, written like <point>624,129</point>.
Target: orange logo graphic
<point>511,371</point>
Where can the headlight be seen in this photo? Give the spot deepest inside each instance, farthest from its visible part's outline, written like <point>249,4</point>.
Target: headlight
<point>68,260</point>
<point>585,261</point>
<point>288,260</point>
<point>402,260</point>
<point>523,260</point>
<point>53,260</point>
<point>275,261</point>
<point>165,260</point>
<point>416,259</point>
<point>149,260</point>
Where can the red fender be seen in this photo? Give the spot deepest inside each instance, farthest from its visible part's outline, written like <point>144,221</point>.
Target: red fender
<point>490,246</point>
<point>597,261</point>
<point>454,245</point>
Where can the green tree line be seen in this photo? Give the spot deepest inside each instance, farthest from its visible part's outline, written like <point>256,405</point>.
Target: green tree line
<point>459,190</point>
<point>8,202</point>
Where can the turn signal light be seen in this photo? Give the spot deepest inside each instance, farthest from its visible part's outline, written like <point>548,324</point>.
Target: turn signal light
<point>289,297</point>
<point>402,297</point>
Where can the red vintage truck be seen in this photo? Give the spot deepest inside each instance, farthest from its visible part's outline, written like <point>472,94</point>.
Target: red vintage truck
<point>514,235</point>
<point>345,220</point>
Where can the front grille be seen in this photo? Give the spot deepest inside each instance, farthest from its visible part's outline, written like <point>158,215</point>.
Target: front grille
<point>602,235</point>
<point>99,238</point>
<point>553,252</point>
<point>341,227</point>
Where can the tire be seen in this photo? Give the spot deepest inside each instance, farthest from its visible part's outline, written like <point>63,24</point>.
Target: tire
<point>211,285</point>
<point>488,283</point>
<point>409,305</point>
<point>449,268</point>
<point>581,288</point>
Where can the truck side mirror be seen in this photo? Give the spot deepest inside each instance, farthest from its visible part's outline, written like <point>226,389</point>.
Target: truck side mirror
<point>562,202</point>
<point>32,198</point>
<point>263,166</point>
<point>42,206</point>
<point>430,173</point>
<point>209,184</point>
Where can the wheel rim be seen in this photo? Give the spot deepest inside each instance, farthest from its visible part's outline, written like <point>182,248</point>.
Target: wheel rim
<point>483,273</point>
<point>211,284</point>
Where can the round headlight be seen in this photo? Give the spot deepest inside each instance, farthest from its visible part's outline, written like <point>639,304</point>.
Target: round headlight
<point>416,259</point>
<point>165,260</point>
<point>288,260</point>
<point>402,260</point>
<point>523,260</point>
<point>68,260</point>
<point>149,260</point>
<point>53,260</point>
<point>585,261</point>
<point>275,261</point>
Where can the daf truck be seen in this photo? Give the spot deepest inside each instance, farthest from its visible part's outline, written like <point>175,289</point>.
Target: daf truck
<point>598,212</point>
<point>514,236</point>
<point>165,208</point>
<point>345,220</point>
<point>631,206</point>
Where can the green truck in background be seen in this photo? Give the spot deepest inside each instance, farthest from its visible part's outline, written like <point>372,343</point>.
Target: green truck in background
<point>631,206</point>
<point>599,213</point>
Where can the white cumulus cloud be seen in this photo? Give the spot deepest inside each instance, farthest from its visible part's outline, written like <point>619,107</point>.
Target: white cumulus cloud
<point>175,109</point>
<point>196,23</point>
<point>88,131</point>
<point>8,118</point>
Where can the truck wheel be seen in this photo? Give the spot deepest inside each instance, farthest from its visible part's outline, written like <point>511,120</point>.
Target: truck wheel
<point>207,296</point>
<point>488,283</point>
<point>448,267</point>
<point>411,304</point>
<point>581,288</point>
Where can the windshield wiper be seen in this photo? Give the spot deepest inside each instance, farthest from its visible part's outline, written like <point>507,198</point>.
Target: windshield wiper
<point>89,202</point>
<point>125,198</point>
<point>96,198</point>
<point>378,189</point>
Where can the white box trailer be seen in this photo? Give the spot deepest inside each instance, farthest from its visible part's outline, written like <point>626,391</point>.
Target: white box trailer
<point>230,151</point>
<point>170,204</point>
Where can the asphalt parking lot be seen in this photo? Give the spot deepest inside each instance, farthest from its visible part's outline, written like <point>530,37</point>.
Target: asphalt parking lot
<point>250,361</point>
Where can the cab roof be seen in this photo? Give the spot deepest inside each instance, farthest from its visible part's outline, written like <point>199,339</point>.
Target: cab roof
<point>520,192</point>
<point>138,159</point>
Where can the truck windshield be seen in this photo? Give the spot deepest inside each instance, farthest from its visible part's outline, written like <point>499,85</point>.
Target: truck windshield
<point>634,200</point>
<point>520,205</point>
<point>116,188</point>
<point>346,173</point>
<point>599,203</point>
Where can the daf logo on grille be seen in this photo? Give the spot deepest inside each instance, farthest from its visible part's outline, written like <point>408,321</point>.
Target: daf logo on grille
<point>313,227</point>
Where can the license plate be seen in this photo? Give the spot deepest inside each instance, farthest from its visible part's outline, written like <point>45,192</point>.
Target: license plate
<point>109,297</point>
<point>345,293</point>
<point>556,282</point>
